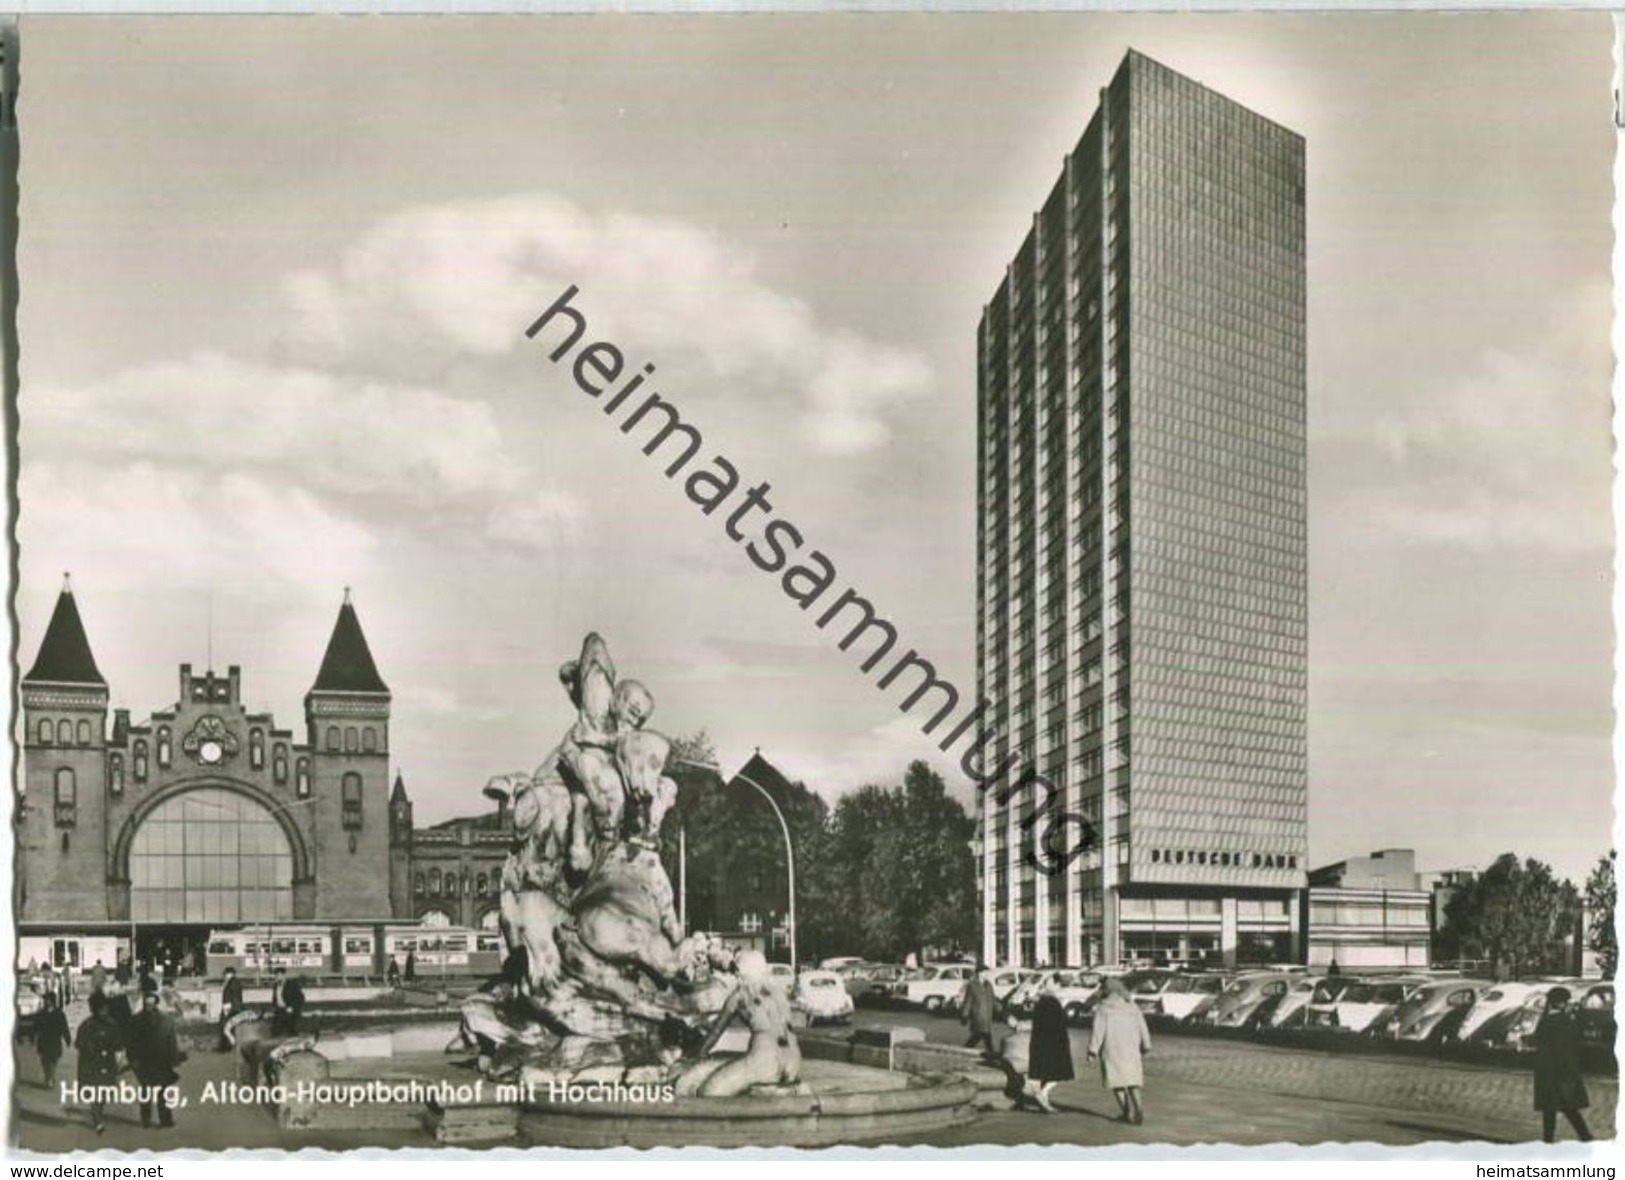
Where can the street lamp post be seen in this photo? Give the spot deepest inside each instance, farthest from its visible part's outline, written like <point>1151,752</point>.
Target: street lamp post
<point>789,849</point>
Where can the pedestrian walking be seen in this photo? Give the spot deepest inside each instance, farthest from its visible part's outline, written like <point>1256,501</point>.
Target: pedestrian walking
<point>231,1003</point>
<point>98,977</point>
<point>411,966</point>
<point>1050,1051</point>
<point>50,1037</point>
<point>976,1009</point>
<point>155,1054</point>
<point>51,985</point>
<point>117,1003</point>
<point>1120,1039</point>
<point>393,975</point>
<point>98,1041</point>
<point>147,982</point>
<point>121,970</point>
<point>1559,1089</point>
<point>287,1002</point>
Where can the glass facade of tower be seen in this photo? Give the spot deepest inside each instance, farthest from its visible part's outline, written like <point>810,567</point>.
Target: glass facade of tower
<point>1142,622</point>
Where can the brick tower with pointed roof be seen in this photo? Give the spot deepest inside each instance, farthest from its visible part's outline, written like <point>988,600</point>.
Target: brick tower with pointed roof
<point>347,718</point>
<point>400,849</point>
<point>62,812</point>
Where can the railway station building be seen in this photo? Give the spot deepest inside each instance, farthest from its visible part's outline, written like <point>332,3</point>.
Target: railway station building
<point>138,837</point>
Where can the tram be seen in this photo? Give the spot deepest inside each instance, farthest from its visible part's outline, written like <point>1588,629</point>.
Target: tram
<point>355,951</point>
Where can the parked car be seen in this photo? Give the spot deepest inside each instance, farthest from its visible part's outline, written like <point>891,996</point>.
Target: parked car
<point>837,963</point>
<point>1073,988</point>
<point>822,995</point>
<point>1433,1012</point>
<point>1493,1006</point>
<point>1242,1003</point>
<point>784,976</point>
<point>931,988</point>
<point>1321,1011</point>
<point>1172,993</point>
<point>1515,1029</point>
<point>1594,1010</point>
<point>869,982</point>
<point>1145,986</point>
<point>1005,981</point>
<point>1363,1003</point>
<point>1189,994</point>
<point>1291,1008</point>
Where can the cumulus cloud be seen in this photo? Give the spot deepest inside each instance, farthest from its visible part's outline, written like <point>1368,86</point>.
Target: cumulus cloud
<point>1515,452</point>
<point>468,278</point>
<point>542,520</point>
<point>162,528</point>
<point>325,432</point>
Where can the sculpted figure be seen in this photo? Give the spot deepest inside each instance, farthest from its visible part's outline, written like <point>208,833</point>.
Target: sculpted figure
<point>773,1056</point>
<point>535,896</point>
<point>585,754</point>
<point>586,904</point>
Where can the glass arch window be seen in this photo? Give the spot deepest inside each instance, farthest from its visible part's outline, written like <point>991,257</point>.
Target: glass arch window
<point>350,796</point>
<point>436,918</point>
<point>64,732</point>
<point>67,797</point>
<point>83,733</point>
<point>490,920</point>
<point>211,855</point>
<point>46,729</point>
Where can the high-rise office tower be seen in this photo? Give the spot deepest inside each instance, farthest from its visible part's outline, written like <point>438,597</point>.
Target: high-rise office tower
<point>1142,627</point>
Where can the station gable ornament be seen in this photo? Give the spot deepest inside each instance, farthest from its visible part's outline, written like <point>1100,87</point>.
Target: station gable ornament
<point>210,742</point>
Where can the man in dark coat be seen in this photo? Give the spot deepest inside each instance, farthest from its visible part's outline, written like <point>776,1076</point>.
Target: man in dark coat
<point>287,1002</point>
<point>231,1003</point>
<point>98,977</point>
<point>1049,1054</point>
<point>118,1008</point>
<point>976,1008</point>
<point>98,1041</point>
<point>121,971</point>
<point>1558,1085</point>
<point>155,1053</point>
<point>50,1035</point>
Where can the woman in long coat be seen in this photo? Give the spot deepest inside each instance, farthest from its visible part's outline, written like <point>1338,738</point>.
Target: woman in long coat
<point>1120,1038</point>
<point>1558,1085</point>
<point>1050,1052</point>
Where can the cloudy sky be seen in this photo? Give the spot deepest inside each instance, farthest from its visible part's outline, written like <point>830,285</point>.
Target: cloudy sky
<point>276,274</point>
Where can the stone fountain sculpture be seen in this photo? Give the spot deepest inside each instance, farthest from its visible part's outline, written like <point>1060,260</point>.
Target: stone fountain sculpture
<point>602,983</point>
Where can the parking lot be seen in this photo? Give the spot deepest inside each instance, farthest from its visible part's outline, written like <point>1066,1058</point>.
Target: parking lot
<point>1204,1090</point>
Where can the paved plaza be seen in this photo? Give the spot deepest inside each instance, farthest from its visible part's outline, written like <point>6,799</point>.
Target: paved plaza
<point>1197,1091</point>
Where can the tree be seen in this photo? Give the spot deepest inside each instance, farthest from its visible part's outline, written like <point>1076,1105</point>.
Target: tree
<point>902,860</point>
<point>1516,914</point>
<point>735,847</point>
<point>1599,904</point>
